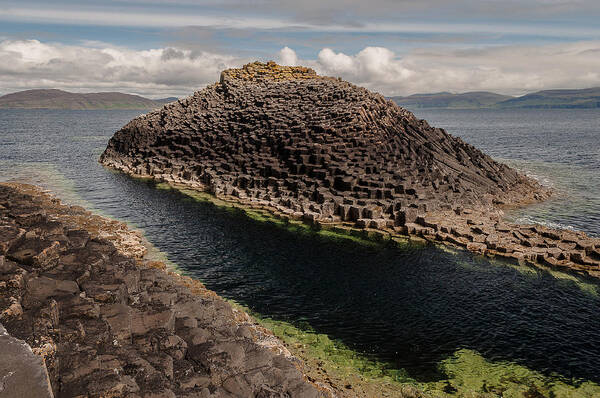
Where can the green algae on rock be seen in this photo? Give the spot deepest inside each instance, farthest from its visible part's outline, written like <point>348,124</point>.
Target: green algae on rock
<point>470,374</point>
<point>466,373</point>
<point>368,237</point>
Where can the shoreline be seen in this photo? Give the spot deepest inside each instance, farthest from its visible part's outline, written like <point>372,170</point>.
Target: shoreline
<point>479,231</point>
<point>80,292</point>
<point>335,372</point>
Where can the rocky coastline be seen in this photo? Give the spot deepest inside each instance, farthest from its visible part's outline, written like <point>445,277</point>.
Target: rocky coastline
<point>334,155</point>
<point>83,313</point>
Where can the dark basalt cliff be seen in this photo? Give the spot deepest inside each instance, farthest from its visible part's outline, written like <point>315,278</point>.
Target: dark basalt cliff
<point>313,145</point>
<point>328,152</point>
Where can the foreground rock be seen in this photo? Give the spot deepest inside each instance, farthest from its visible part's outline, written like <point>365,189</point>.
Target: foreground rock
<point>103,322</point>
<point>325,151</point>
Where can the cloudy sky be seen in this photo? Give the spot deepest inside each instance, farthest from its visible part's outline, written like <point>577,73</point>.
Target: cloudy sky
<point>397,47</point>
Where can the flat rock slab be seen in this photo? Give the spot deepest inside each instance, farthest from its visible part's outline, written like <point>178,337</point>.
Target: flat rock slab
<point>89,317</point>
<point>22,373</point>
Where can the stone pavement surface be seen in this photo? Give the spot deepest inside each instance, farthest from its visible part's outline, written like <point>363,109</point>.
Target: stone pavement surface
<point>104,322</point>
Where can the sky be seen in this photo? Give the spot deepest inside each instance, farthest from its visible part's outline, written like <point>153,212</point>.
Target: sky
<point>395,47</point>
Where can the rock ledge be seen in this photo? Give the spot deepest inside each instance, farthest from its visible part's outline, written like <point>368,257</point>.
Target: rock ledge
<point>108,323</point>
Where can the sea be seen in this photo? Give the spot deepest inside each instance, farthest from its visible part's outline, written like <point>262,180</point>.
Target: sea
<point>410,306</point>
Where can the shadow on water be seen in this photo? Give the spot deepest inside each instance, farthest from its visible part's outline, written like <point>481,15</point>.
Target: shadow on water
<point>412,307</point>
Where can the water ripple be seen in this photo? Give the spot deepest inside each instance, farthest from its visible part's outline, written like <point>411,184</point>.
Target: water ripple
<point>412,307</point>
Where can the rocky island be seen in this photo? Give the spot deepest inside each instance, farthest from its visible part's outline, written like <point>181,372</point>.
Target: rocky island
<point>338,156</point>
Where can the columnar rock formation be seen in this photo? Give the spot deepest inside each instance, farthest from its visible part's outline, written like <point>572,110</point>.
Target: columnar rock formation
<point>107,323</point>
<point>326,151</point>
<point>312,145</point>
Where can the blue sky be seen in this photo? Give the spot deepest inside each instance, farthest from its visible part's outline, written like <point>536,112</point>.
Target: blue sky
<point>159,48</point>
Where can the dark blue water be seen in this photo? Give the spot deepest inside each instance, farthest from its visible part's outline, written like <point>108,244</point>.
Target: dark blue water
<point>412,306</point>
<point>559,147</point>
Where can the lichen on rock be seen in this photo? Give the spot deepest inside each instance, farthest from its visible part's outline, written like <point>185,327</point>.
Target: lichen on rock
<point>258,71</point>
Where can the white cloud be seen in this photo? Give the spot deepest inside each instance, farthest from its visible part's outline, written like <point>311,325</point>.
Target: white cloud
<point>124,17</point>
<point>369,67</point>
<point>287,56</point>
<point>507,69</point>
<point>28,64</point>
<point>336,63</point>
<point>387,16</point>
<point>168,71</point>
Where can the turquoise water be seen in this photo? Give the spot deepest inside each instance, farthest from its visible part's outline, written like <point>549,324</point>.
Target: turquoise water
<point>412,307</point>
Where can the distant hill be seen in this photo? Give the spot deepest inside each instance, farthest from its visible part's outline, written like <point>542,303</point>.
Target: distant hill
<point>475,99</point>
<point>59,99</point>
<point>583,98</point>
<point>166,100</point>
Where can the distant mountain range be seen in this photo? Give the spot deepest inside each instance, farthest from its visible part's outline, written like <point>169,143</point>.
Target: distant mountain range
<point>584,98</point>
<point>59,99</point>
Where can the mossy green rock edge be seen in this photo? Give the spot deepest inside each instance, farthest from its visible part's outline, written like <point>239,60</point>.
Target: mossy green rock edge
<point>468,373</point>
